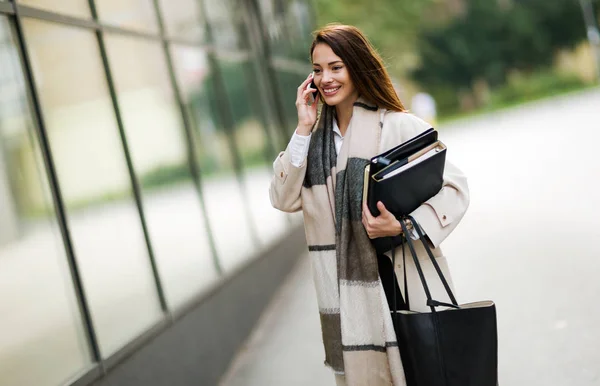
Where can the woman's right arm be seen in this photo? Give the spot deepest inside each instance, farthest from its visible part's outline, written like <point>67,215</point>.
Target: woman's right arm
<point>290,165</point>
<point>287,183</point>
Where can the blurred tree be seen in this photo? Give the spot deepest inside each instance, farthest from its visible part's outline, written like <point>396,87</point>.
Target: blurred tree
<point>491,38</point>
<point>391,25</point>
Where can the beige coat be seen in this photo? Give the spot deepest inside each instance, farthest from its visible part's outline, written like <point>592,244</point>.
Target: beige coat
<point>438,216</point>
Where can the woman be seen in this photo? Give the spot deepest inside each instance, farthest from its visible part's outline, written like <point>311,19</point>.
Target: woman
<point>321,173</point>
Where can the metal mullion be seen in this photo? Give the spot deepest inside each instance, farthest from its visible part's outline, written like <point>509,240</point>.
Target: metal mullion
<point>57,197</point>
<point>251,72</point>
<point>94,23</point>
<point>265,116</point>
<point>133,177</point>
<point>262,58</point>
<point>272,73</point>
<point>7,8</point>
<point>192,156</point>
<point>237,55</point>
<point>128,32</point>
<point>36,13</point>
<point>289,65</point>
<point>228,124</point>
<point>183,41</point>
<point>260,65</point>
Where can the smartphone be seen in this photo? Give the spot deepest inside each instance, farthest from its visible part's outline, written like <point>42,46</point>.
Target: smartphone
<point>313,96</point>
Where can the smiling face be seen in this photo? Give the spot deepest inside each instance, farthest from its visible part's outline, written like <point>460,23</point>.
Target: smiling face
<point>332,77</point>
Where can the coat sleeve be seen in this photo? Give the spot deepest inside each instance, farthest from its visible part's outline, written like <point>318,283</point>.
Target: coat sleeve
<point>286,183</point>
<point>439,215</point>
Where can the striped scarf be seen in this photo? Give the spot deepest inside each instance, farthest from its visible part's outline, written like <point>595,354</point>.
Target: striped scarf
<point>357,328</point>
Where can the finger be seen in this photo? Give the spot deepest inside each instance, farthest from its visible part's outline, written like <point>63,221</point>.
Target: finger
<point>382,209</point>
<point>306,93</point>
<point>306,82</point>
<point>365,222</point>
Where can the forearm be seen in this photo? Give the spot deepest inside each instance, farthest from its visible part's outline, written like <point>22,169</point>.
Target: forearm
<point>289,171</point>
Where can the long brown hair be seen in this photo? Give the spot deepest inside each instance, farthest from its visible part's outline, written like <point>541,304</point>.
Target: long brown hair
<point>365,66</point>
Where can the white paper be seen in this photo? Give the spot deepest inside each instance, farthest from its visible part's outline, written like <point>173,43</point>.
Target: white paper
<point>422,158</point>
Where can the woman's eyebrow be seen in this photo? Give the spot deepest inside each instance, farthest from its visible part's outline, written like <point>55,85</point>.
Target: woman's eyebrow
<point>330,63</point>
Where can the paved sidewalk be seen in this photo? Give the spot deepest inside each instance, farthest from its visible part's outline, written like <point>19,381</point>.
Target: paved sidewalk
<point>285,348</point>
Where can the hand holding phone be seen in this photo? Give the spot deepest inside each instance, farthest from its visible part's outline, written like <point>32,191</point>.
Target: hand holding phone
<point>313,96</point>
<point>306,105</point>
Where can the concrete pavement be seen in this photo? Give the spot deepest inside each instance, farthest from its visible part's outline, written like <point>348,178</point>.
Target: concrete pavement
<point>285,348</point>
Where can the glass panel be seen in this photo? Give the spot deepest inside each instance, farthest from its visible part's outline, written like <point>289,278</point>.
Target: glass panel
<point>288,83</point>
<point>134,14</point>
<point>42,340</point>
<point>77,8</point>
<point>156,138</point>
<point>103,219</point>
<point>254,149</point>
<point>222,196</point>
<point>224,23</point>
<point>289,25</point>
<point>273,15</point>
<point>298,26</point>
<point>182,19</point>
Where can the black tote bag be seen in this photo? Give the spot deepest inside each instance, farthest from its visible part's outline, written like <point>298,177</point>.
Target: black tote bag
<point>455,346</point>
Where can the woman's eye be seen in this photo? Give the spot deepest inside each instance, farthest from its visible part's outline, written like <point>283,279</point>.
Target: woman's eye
<point>337,68</point>
<point>316,71</point>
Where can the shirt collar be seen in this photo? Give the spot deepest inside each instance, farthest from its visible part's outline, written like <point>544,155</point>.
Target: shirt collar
<point>336,128</point>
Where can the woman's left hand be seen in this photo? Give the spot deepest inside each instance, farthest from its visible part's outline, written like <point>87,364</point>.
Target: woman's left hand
<point>383,225</point>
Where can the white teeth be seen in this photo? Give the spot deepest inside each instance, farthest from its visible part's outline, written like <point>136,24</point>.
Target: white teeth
<point>330,90</point>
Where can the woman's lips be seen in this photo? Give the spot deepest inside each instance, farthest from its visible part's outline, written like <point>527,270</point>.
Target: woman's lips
<point>330,91</point>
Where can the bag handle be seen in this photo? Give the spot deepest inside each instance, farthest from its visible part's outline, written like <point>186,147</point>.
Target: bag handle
<point>407,300</point>
<point>430,302</point>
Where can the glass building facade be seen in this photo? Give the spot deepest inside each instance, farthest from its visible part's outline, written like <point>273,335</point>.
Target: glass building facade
<point>136,142</point>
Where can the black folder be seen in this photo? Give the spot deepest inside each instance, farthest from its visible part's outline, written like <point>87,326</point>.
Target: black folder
<point>404,177</point>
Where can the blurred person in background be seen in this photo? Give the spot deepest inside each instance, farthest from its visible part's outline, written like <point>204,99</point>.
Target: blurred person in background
<point>423,106</point>
<point>321,173</point>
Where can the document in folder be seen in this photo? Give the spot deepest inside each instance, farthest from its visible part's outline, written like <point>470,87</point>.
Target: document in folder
<point>406,183</point>
<point>409,162</point>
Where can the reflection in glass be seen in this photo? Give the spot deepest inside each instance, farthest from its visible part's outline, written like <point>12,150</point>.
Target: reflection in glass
<point>134,14</point>
<point>289,25</point>
<point>104,223</point>
<point>223,18</point>
<point>42,340</point>
<point>77,8</point>
<point>253,147</point>
<point>182,19</point>
<point>288,82</point>
<point>222,196</point>
<point>155,135</point>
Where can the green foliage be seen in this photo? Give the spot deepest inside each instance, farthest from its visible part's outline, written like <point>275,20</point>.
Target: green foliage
<point>519,88</point>
<point>236,88</point>
<point>490,40</point>
<point>165,175</point>
<point>389,24</point>
<point>288,83</point>
<point>523,88</point>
